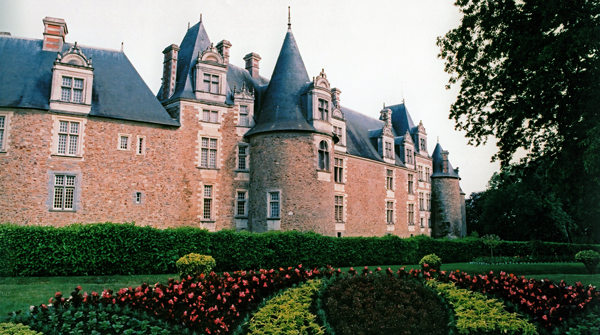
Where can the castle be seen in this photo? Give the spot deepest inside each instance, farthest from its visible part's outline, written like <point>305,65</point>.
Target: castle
<point>83,139</point>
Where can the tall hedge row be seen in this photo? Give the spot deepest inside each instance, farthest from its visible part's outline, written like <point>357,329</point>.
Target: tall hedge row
<point>109,249</point>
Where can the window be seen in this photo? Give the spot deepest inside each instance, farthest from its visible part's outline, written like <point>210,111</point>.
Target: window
<point>420,168</point>
<point>323,110</point>
<point>141,145</point>
<point>340,134</point>
<point>64,192</point>
<point>274,205</point>
<point>208,155</point>
<point>390,212</point>
<point>241,203</point>
<point>429,222</point>
<point>2,131</point>
<point>421,201</point>
<point>422,224</point>
<point>389,184</point>
<point>323,156</point>
<point>427,174</point>
<point>211,83</point>
<point>411,214</point>
<point>339,209</point>
<point>68,138</point>
<point>410,183</point>
<point>210,116</point>
<point>388,150</point>
<point>123,142</point>
<point>138,198</point>
<point>71,90</point>
<point>423,145</point>
<point>242,156</point>
<point>208,197</point>
<point>338,170</point>
<point>244,120</point>
<point>428,198</point>
<point>409,156</point>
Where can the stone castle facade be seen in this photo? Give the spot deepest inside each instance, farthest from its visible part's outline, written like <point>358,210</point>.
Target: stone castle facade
<point>83,139</point>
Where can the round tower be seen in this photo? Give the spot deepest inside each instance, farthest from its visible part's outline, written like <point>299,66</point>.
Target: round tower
<point>290,159</point>
<point>447,198</point>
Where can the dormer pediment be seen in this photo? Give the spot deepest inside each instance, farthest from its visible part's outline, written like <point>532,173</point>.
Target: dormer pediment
<point>321,81</point>
<point>212,56</point>
<point>243,94</point>
<point>338,114</point>
<point>421,128</point>
<point>75,57</point>
<point>407,139</point>
<point>386,117</point>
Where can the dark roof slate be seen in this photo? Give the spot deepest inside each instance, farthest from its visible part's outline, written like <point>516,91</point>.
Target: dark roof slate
<point>118,90</point>
<point>438,165</point>
<point>401,120</point>
<point>281,105</point>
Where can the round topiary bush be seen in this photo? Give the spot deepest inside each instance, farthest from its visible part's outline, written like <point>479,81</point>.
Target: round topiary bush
<point>383,305</point>
<point>589,258</point>
<point>432,260</point>
<point>194,265</point>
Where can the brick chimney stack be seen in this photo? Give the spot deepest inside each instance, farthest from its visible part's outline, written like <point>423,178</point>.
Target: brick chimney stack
<point>169,71</point>
<point>445,168</point>
<point>252,60</point>
<point>223,49</point>
<point>55,31</point>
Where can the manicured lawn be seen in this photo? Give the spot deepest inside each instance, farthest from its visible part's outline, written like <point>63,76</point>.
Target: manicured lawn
<point>18,293</point>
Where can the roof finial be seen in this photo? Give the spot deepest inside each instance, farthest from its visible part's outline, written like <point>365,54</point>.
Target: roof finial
<point>289,19</point>
<point>200,17</point>
<point>438,139</point>
<point>384,105</point>
<point>402,91</point>
<point>188,25</point>
<point>121,46</point>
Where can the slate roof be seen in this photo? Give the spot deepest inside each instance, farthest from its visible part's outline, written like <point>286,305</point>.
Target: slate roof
<point>438,165</point>
<point>118,90</point>
<point>281,106</point>
<point>401,120</point>
<point>195,42</point>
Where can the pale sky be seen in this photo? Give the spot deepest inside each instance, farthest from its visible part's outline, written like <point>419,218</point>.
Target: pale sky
<point>375,52</point>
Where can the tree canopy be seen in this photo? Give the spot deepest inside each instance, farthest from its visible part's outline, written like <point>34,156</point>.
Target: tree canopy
<point>529,75</point>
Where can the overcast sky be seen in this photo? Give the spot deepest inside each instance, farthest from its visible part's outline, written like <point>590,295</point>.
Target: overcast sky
<point>375,52</point>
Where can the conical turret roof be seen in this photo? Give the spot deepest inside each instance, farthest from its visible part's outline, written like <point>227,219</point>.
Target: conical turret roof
<point>282,103</point>
<point>438,165</point>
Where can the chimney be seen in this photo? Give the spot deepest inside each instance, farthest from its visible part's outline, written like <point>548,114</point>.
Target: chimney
<point>223,48</point>
<point>169,71</point>
<point>335,97</point>
<point>444,154</point>
<point>55,31</point>
<point>252,60</point>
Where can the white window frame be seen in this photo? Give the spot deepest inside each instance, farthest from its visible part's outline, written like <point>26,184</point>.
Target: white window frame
<point>243,157</point>
<point>208,86</point>
<point>69,134</point>
<point>339,131</point>
<point>338,170</point>
<point>64,185</point>
<point>244,120</point>
<point>4,130</point>
<point>211,116</point>
<point>206,150</point>
<point>388,149</point>
<point>72,89</point>
<point>389,179</point>
<point>421,201</point>
<point>138,197</point>
<point>338,213</point>
<point>411,184</point>
<point>323,109</point>
<point>208,194</point>
<point>270,203</point>
<point>323,156</point>
<point>241,201</point>
<point>411,214</point>
<point>141,145</point>
<point>389,212</point>
<point>120,142</point>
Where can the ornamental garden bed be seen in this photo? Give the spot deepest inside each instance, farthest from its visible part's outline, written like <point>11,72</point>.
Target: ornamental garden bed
<point>335,301</point>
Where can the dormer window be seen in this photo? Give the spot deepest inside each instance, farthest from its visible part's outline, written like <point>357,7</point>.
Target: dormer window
<point>409,156</point>
<point>244,116</point>
<point>72,77</point>
<point>210,73</point>
<point>389,153</point>
<point>72,90</point>
<point>423,145</point>
<point>323,110</point>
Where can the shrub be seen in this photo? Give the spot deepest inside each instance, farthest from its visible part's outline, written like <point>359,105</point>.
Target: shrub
<point>378,304</point>
<point>194,265</point>
<point>110,319</point>
<point>475,313</point>
<point>288,313</point>
<point>589,324</point>
<point>16,329</point>
<point>432,260</point>
<point>589,258</point>
<point>491,241</point>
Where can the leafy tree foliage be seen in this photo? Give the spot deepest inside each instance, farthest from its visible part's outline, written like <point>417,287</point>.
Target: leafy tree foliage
<point>529,75</point>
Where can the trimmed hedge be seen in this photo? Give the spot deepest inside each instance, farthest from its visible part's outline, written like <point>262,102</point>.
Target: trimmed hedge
<point>111,249</point>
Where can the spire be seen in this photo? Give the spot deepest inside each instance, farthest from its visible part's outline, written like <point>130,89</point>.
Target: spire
<point>282,103</point>
<point>289,19</point>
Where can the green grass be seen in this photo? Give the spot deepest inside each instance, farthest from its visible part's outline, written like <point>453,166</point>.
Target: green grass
<point>18,293</point>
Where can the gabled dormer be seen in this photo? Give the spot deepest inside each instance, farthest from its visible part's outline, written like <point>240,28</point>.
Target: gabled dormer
<point>72,81</point>
<point>420,137</point>
<point>319,103</point>
<point>385,142</point>
<point>244,101</point>
<point>338,120</point>
<point>210,76</point>
<point>407,149</point>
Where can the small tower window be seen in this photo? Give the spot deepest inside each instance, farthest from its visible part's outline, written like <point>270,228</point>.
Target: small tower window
<point>323,110</point>
<point>323,156</point>
<point>274,205</point>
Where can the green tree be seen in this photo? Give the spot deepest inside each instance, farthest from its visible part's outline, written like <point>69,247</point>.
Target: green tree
<point>529,74</point>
